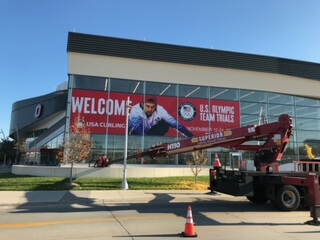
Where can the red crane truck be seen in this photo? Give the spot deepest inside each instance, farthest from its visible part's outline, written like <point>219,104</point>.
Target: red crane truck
<point>286,190</point>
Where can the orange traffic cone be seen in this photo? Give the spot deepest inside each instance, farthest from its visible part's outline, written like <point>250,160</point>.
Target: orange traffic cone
<point>189,230</point>
<point>217,163</point>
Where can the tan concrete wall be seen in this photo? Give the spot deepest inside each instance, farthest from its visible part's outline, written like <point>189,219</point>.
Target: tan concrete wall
<point>105,66</point>
<point>133,171</point>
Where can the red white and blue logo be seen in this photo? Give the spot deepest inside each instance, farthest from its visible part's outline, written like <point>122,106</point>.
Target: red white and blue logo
<point>187,111</point>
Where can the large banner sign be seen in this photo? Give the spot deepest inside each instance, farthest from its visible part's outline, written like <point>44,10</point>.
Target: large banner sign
<point>105,113</point>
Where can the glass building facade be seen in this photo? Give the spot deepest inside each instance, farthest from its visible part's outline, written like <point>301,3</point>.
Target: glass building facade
<point>256,107</point>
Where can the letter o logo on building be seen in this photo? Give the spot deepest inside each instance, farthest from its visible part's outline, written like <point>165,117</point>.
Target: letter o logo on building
<point>38,111</point>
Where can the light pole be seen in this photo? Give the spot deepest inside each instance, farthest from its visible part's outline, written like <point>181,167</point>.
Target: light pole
<point>124,185</point>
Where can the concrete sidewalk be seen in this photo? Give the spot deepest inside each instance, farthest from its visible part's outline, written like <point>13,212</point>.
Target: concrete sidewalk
<point>8,198</point>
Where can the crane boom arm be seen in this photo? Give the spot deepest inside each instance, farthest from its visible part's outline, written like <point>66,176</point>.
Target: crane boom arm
<point>268,141</point>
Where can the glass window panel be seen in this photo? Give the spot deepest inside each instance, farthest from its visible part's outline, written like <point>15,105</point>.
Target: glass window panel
<point>193,91</point>
<point>90,83</point>
<point>280,98</point>
<point>128,86</point>
<point>256,120</point>
<point>60,140</point>
<point>307,112</point>
<point>48,144</point>
<point>304,135</point>
<point>277,110</point>
<point>307,124</point>
<point>224,94</point>
<point>252,108</point>
<point>161,89</point>
<point>293,137</point>
<point>249,120</point>
<point>300,101</point>
<point>99,142</point>
<point>135,143</point>
<point>54,143</point>
<point>252,96</point>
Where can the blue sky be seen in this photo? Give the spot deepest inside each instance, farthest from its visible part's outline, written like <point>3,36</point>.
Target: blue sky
<point>33,40</point>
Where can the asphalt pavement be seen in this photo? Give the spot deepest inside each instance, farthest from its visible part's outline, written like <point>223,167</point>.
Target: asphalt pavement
<point>121,211</point>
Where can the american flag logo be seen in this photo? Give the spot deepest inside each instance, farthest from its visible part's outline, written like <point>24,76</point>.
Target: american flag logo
<point>187,111</point>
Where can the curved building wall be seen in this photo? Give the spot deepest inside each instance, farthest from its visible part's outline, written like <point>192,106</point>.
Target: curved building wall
<point>35,116</point>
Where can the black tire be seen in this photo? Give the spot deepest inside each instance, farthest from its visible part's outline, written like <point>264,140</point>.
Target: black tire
<point>287,199</point>
<point>259,197</point>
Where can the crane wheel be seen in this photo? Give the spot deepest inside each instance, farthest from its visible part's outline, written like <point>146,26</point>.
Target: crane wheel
<point>287,198</point>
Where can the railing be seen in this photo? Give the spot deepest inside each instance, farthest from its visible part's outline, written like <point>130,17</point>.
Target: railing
<point>307,166</point>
